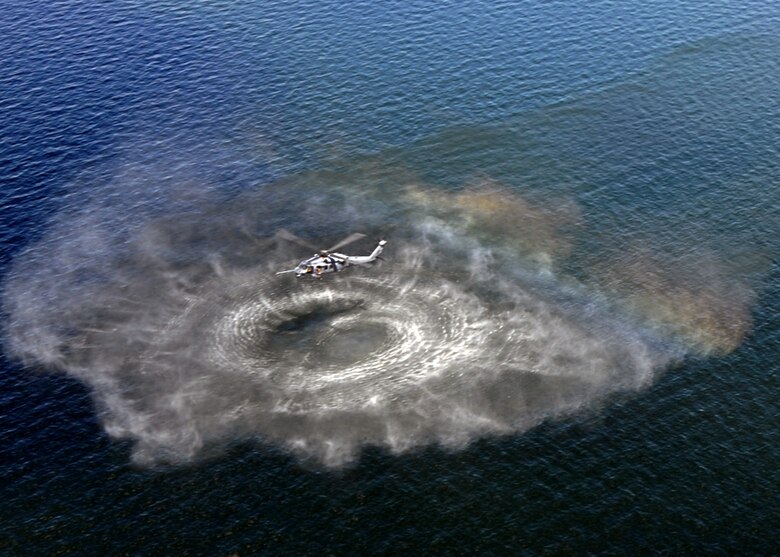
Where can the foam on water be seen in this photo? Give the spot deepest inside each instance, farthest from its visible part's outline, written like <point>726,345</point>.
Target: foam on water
<point>190,341</point>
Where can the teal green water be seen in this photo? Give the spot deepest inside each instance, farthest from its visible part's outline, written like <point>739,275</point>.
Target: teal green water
<point>570,348</point>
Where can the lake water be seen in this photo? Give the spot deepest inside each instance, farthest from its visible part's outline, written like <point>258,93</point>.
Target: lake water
<point>570,347</point>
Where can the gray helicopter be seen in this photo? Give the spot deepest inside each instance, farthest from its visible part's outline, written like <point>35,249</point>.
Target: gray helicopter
<point>329,260</point>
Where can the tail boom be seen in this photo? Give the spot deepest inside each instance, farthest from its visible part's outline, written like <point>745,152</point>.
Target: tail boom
<point>362,259</point>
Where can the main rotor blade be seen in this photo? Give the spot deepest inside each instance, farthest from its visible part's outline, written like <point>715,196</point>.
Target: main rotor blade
<point>290,237</point>
<point>348,240</point>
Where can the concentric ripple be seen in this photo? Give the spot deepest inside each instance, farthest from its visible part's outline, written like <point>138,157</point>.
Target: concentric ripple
<point>450,340</point>
<point>351,344</point>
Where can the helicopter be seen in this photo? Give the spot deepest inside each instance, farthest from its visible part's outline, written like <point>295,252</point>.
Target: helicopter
<point>328,260</point>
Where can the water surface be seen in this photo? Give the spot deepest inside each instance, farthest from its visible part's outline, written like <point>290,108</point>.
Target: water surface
<point>571,347</point>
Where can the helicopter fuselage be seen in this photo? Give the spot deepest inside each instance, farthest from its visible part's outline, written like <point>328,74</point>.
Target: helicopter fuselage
<point>331,262</point>
<point>320,264</point>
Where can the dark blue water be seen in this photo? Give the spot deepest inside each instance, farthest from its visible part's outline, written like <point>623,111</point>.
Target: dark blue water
<point>571,348</point>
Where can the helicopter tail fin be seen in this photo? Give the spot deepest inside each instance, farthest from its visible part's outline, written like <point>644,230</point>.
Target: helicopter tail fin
<point>377,250</point>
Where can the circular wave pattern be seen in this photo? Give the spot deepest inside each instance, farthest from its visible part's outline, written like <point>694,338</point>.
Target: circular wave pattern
<point>187,350</point>
<point>397,356</point>
<point>352,343</point>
